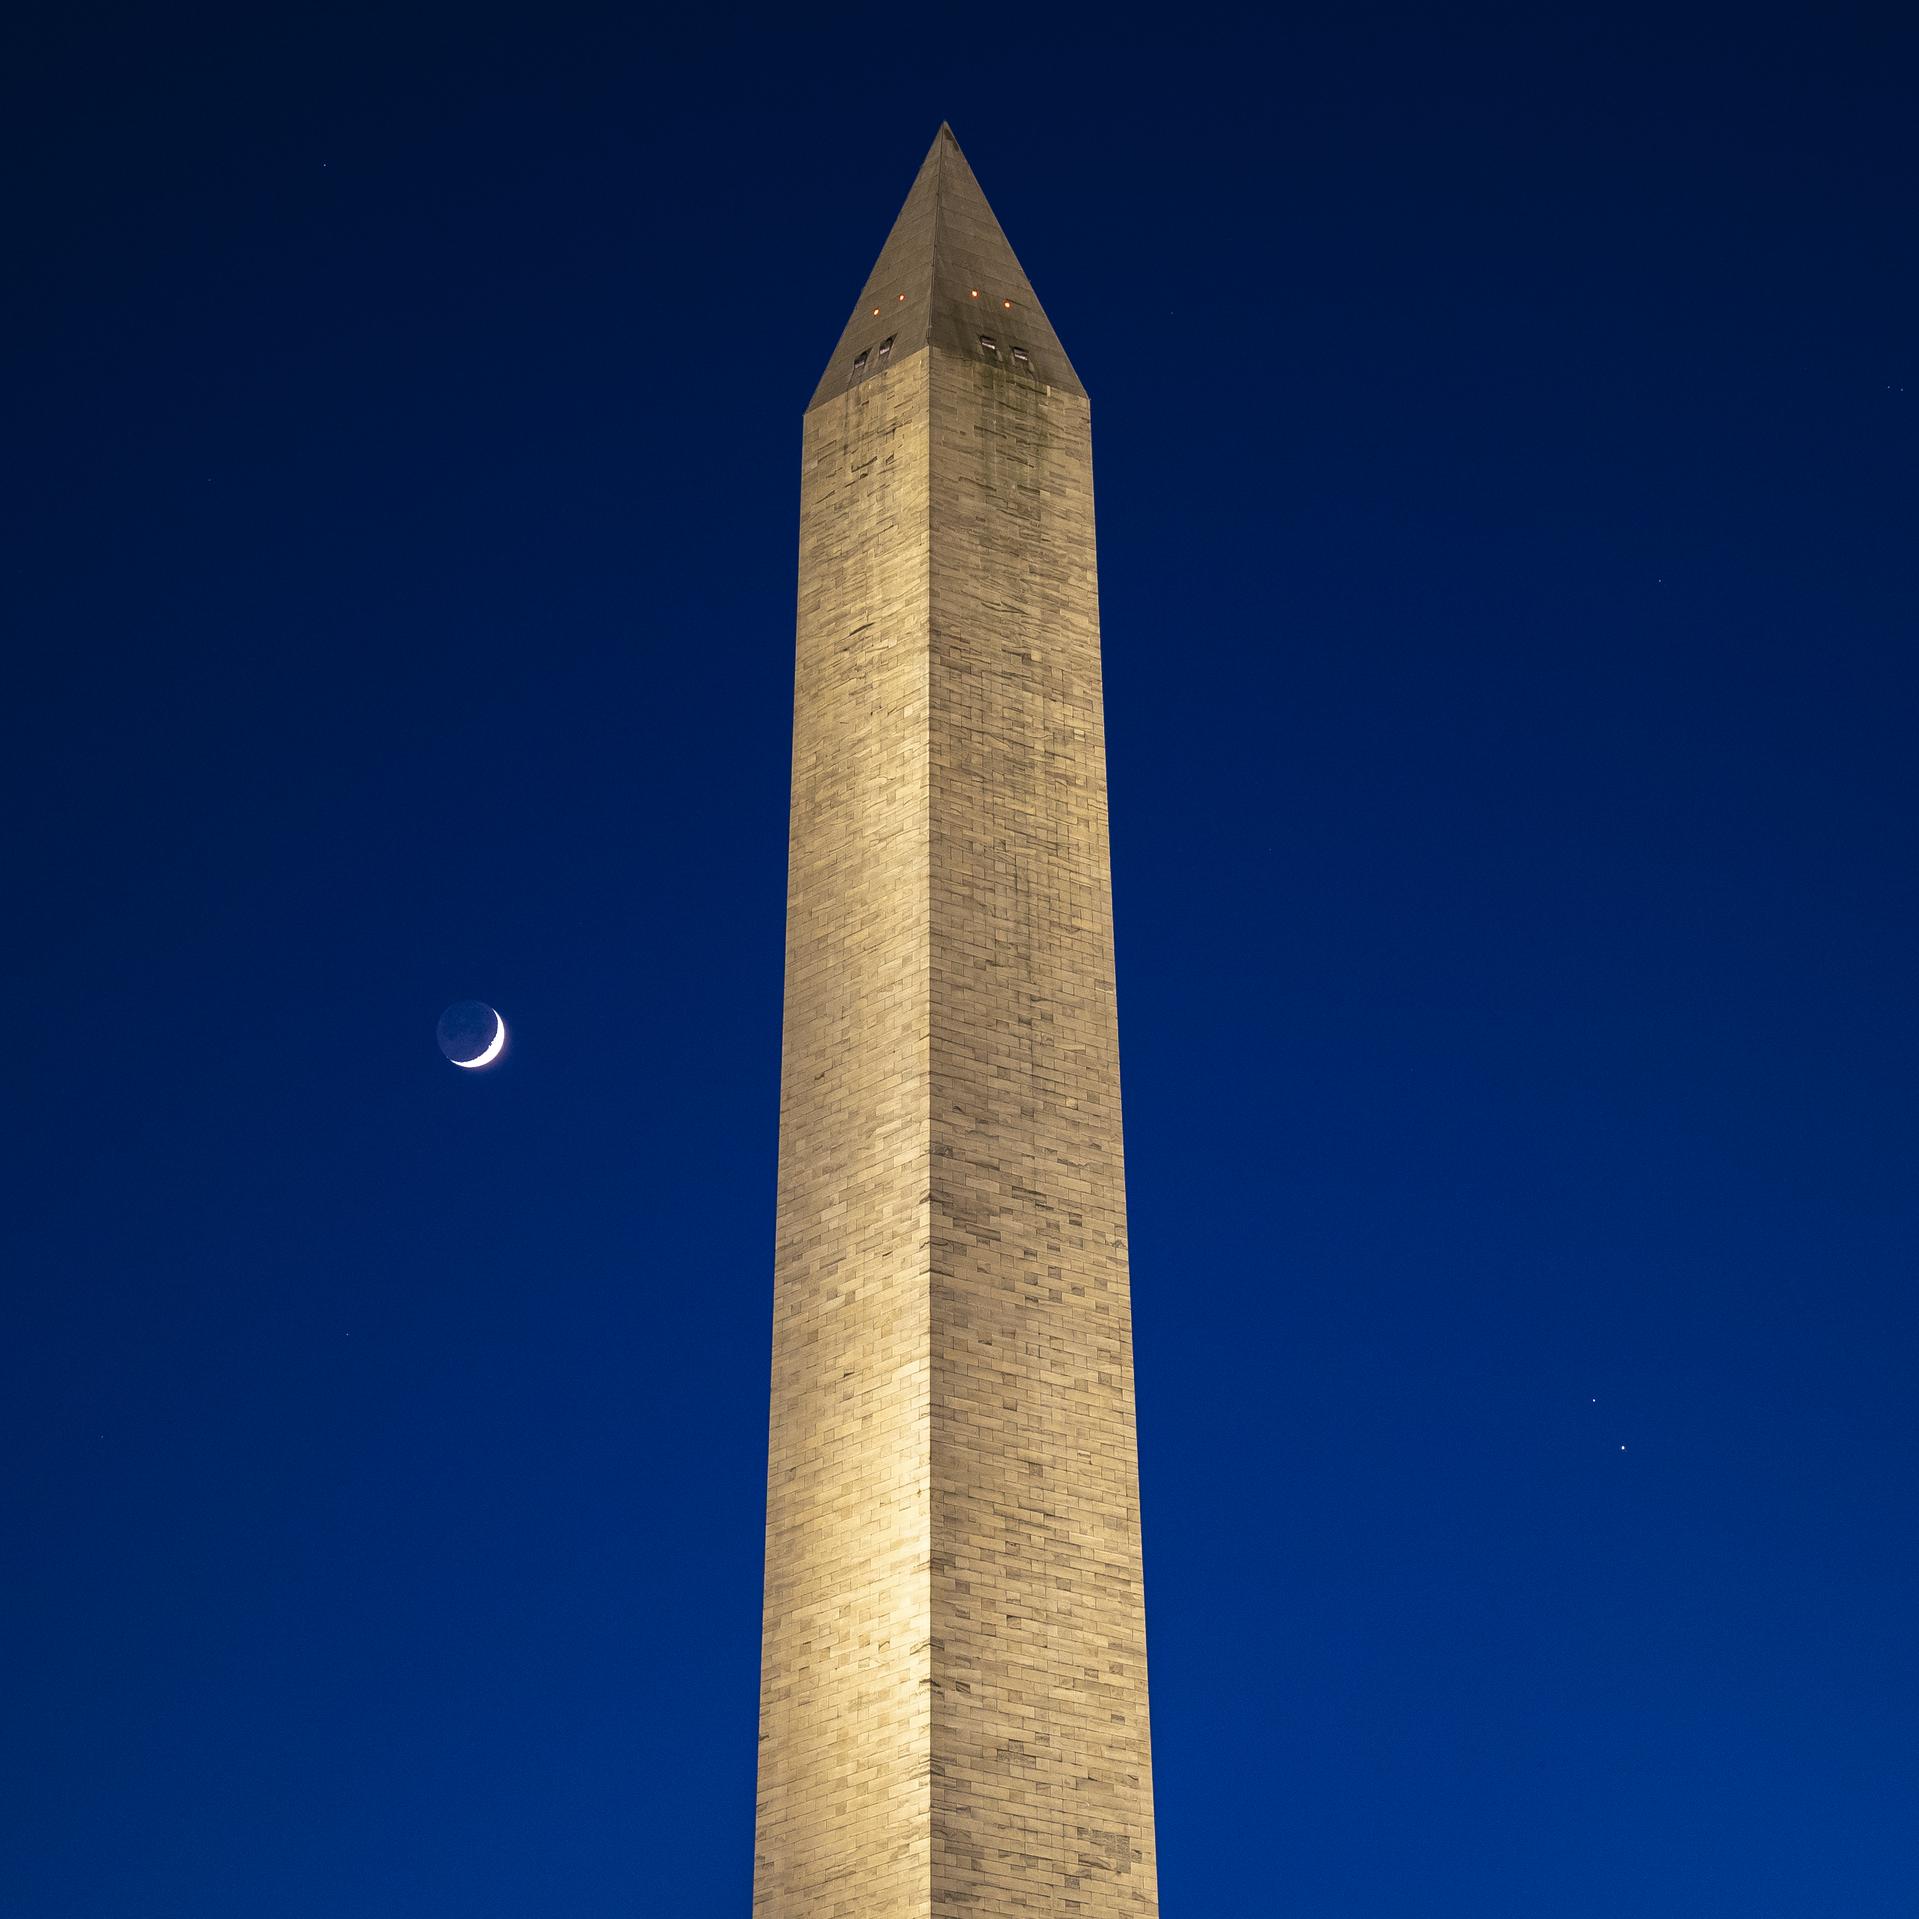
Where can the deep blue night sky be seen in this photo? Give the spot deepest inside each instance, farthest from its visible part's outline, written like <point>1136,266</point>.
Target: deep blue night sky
<point>1505,432</point>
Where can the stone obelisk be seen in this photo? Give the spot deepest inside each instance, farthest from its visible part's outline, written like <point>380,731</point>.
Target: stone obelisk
<point>953,1684</point>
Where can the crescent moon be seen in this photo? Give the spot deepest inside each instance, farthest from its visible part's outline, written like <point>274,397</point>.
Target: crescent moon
<point>492,1046</point>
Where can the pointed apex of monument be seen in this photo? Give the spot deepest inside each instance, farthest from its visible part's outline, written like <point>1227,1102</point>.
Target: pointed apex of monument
<point>947,278</point>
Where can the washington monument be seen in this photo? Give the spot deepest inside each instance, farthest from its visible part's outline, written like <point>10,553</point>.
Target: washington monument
<point>953,1679</point>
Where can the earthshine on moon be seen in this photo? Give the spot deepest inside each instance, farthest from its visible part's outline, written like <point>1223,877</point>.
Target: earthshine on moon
<point>472,1033</point>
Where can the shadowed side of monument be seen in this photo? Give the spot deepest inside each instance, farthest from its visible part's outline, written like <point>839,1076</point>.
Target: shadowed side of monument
<point>953,1698</point>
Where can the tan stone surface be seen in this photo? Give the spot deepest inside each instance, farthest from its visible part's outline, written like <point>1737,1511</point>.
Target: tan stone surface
<point>953,1699</point>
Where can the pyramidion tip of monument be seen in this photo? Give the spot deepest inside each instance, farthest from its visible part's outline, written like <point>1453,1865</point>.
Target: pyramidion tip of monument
<point>947,278</point>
